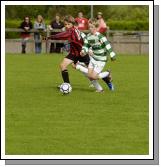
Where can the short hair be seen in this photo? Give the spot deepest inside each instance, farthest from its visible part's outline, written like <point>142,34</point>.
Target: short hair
<point>80,12</point>
<point>94,22</point>
<point>57,14</point>
<point>70,19</point>
<point>100,13</point>
<point>76,23</point>
<point>26,17</point>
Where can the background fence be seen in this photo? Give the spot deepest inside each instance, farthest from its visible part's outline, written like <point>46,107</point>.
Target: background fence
<point>123,42</point>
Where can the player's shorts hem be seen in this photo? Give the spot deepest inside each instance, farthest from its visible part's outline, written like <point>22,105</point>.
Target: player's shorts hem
<point>85,59</point>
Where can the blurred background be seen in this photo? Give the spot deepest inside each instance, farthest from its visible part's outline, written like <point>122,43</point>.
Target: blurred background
<point>128,24</point>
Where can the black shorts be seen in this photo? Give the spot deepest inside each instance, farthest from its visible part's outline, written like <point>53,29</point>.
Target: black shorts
<point>85,59</point>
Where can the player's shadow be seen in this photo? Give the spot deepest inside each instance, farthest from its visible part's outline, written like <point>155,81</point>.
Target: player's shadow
<point>83,89</point>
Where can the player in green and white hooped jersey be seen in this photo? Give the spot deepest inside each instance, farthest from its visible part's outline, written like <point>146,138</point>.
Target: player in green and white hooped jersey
<point>95,83</point>
<point>97,46</point>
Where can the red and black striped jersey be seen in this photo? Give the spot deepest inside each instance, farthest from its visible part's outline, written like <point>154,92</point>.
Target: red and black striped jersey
<point>73,35</point>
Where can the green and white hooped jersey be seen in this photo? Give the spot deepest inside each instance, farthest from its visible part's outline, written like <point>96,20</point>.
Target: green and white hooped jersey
<point>99,45</point>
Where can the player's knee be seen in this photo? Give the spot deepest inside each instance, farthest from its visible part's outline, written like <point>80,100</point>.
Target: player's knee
<point>90,76</point>
<point>73,65</point>
<point>62,66</point>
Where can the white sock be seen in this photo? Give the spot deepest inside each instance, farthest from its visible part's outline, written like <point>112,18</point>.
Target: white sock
<point>103,74</point>
<point>96,85</point>
<point>86,75</point>
<point>81,68</point>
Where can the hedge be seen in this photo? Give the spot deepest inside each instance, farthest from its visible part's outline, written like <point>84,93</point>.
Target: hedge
<point>129,25</point>
<point>114,25</point>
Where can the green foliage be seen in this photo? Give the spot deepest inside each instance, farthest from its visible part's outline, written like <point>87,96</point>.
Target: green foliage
<point>41,121</point>
<point>113,12</point>
<point>20,11</point>
<point>123,12</point>
<point>119,17</point>
<point>113,24</point>
<point>129,25</point>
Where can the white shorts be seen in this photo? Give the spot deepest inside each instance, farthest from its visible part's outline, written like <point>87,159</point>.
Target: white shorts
<point>96,65</point>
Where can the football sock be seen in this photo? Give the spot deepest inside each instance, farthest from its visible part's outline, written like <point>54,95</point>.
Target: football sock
<point>97,85</point>
<point>65,76</point>
<point>109,83</point>
<point>81,68</point>
<point>85,70</point>
<point>103,74</point>
<point>86,75</point>
<point>106,80</point>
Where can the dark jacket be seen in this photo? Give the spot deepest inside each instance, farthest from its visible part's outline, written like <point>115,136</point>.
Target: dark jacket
<point>25,24</point>
<point>56,25</point>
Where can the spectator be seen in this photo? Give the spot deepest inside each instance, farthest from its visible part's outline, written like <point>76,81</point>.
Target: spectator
<point>82,22</point>
<point>39,25</point>
<point>26,25</point>
<point>102,25</point>
<point>56,24</point>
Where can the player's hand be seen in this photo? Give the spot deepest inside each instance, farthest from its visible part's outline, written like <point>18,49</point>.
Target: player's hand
<point>26,28</point>
<point>113,58</point>
<point>73,65</point>
<point>82,53</point>
<point>90,52</point>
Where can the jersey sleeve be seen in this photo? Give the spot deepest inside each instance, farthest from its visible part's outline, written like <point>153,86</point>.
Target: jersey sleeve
<point>108,47</point>
<point>61,36</point>
<point>86,45</point>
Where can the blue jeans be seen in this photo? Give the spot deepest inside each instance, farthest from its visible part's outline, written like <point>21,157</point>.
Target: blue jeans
<point>38,43</point>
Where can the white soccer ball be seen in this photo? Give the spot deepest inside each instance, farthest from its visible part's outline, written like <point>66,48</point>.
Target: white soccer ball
<point>65,88</point>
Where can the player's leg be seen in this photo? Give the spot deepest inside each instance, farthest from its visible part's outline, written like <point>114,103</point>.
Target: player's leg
<point>64,71</point>
<point>82,68</point>
<point>86,60</point>
<point>95,83</point>
<point>106,76</point>
<point>93,75</point>
<point>97,68</point>
<point>108,81</point>
<point>23,43</point>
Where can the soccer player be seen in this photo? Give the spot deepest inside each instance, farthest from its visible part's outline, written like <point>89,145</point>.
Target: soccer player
<point>97,47</point>
<point>74,36</point>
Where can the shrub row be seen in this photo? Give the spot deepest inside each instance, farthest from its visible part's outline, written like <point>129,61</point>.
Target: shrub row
<point>114,25</point>
<point>129,25</point>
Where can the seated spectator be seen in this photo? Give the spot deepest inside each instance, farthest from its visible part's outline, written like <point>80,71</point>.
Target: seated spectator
<point>102,25</point>
<point>26,25</point>
<point>82,22</point>
<point>39,25</point>
<point>56,24</point>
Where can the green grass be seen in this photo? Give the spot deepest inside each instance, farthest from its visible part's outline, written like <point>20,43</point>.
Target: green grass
<point>41,121</point>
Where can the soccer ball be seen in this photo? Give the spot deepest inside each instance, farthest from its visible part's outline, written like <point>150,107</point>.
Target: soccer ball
<point>65,88</point>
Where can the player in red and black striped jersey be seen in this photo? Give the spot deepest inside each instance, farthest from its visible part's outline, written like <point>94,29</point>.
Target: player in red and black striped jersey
<point>73,35</point>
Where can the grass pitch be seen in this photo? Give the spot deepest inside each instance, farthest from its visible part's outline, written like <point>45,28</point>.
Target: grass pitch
<point>41,121</point>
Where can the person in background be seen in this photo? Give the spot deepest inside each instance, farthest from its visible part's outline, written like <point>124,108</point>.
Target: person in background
<point>39,25</point>
<point>102,28</point>
<point>56,24</point>
<point>82,22</point>
<point>26,25</point>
